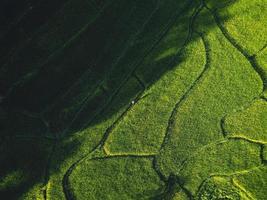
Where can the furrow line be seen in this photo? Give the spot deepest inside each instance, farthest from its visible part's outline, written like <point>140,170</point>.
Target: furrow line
<point>246,139</point>
<point>133,156</point>
<point>65,181</point>
<point>264,98</point>
<point>171,188</point>
<point>261,50</point>
<point>142,84</point>
<point>186,191</point>
<point>237,172</point>
<point>158,171</point>
<point>263,160</point>
<point>222,126</point>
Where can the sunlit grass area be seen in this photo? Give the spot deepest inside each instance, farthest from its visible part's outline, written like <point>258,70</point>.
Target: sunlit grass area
<point>105,99</point>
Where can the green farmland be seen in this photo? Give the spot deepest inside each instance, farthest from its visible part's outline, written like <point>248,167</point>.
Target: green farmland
<point>133,99</point>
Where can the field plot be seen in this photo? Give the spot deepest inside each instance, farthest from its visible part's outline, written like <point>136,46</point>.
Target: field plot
<point>115,99</point>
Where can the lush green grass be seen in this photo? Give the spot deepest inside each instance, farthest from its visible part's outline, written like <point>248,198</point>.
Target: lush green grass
<point>118,175</point>
<point>143,128</point>
<point>83,142</point>
<point>246,27</point>
<point>247,24</point>
<point>253,182</point>
<point>217,187</point>
<point>136,100</point>
<point>249,123</point>
<point>228,83</point>
<point>222,158</point>
<point>261,58</point>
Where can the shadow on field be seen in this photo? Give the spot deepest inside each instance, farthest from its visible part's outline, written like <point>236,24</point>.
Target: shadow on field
<point>19,20</point>
<point>80,84</point>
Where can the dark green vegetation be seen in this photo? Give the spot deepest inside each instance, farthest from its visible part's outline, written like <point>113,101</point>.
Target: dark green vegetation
<point>105,99</point>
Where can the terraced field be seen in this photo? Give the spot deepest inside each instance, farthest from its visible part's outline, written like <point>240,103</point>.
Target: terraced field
<point>115,99</point>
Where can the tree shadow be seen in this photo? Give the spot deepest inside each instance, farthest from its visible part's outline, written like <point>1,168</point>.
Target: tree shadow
<point>20,19</point>
<point>79,86</point>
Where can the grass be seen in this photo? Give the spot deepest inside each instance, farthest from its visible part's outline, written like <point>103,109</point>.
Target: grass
<point>134,175</point>
<point>261,58</point>
<point>222,158</point>
<point>134,100</point>
<point>249,123</point>
<point>197,119</point>
<point>218,187</point>
<point>145,124</point>
<point>249,25</point>
<point>85,141</point>
<point>251,181</point>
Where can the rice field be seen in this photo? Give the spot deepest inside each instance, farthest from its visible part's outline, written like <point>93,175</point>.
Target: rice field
<point>118,100</point>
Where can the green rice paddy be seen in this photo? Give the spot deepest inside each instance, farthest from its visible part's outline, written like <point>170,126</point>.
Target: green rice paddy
<point>105,99</point>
